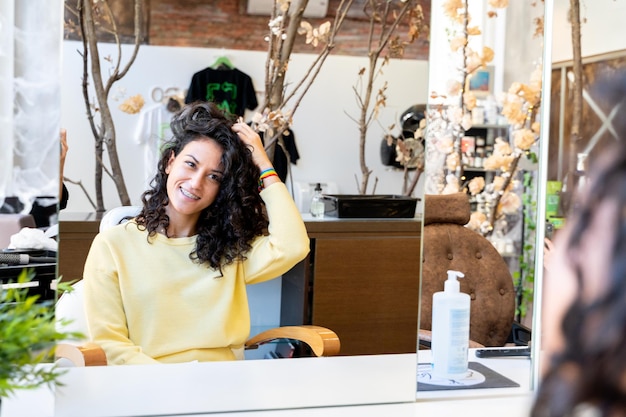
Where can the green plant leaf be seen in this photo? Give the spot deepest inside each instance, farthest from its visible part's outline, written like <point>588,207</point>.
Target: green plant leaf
<point>28,336</point>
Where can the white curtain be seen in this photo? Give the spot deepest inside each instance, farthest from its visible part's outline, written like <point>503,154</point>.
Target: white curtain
<point>30,98</point>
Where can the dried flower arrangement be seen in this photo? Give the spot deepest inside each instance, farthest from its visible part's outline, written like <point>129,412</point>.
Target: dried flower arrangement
<point>508,192</point>
<point>451,116</point>
<point>96,18</point>
<point>279,104</point>
<point>385,17</point>
<point>286,24</point>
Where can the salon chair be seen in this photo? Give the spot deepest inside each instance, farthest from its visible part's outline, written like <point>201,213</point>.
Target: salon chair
<point>313,340</point>
<point>449,245</point>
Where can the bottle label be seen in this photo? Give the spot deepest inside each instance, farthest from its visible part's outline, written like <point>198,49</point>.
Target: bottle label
<point>317,208</point>
<point>459,340</point>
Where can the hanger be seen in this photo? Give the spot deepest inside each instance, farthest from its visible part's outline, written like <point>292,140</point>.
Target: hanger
<point>222,63</point>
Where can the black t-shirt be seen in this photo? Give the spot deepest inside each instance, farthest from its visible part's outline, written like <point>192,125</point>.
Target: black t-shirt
<point>43,213</point>
<point>280,159</point>
<point>232,90</point>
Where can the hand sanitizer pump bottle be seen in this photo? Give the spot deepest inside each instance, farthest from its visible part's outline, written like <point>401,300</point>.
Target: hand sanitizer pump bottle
<point>317,203</point>
<point>450,329</point>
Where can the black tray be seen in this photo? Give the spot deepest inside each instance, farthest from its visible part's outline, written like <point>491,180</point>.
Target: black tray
<point>369,206</point>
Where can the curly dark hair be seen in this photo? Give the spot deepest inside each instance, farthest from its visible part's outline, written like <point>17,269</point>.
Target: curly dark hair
<point>227,227</point>
<point>591,369</point>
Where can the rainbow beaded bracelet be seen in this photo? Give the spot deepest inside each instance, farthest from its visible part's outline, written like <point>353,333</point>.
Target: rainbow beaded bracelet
<point>270,172</point>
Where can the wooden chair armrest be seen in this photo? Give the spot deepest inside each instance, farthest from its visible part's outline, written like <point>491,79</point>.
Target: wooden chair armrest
<point>322,341</point>
<point>427,337</point>
<point>88,354</point>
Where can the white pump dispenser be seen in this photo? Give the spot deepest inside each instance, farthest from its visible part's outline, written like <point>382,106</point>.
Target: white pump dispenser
<point>450,329</point>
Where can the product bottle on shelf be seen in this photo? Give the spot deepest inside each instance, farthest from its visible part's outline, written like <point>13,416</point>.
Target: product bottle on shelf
<point>450,329</point>
<point>317,202</point>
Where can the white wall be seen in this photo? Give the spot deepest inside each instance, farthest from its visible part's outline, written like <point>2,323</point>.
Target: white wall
<point>603,31</point>
<point>326,137</point>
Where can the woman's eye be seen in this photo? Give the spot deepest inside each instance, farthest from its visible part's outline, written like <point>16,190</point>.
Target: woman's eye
<point>215,177</point>
<point>191,164</point>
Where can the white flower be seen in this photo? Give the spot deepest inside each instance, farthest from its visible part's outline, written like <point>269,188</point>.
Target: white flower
<point>523,139</point>
<point>454,87</point>
<point>510,203</point>
<point>455,114</point>
<point>498,183</point>
<point>453,161</point>
<point>276,25</point>
<point>469,99</point>
<point>132,104</point>
<point>477,219</point>
<point>476,185</point>
<point>452,185</point>
<point>502,147</point>
<point>466,121</point>
<point>445,145</point>
<point>499,4</point>
<point>457,43</point>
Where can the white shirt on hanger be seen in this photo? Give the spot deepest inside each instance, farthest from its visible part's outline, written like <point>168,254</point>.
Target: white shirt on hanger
<point>152,130</point>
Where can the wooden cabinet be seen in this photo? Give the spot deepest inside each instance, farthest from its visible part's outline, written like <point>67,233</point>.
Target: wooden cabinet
<point>361,280</point>
<point>76,231</point>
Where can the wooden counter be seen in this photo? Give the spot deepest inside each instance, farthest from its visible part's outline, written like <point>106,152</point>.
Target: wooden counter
<point>361,278</point>
<point>76,231</point>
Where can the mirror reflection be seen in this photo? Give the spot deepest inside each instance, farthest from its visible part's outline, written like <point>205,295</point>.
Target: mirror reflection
<point>350,256</point>
<point>586,95</point>
<point>29,193</point>
<point>481,194</point>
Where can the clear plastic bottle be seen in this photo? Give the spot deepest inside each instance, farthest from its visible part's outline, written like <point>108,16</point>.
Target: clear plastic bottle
<point>450,329</point>
<point>317,202</point>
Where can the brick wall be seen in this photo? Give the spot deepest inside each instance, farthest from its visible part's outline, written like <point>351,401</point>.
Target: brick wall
<point>225,24</point>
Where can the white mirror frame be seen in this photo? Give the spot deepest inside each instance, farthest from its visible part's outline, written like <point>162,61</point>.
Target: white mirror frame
<point>236,386</point>
<point>542,176</point>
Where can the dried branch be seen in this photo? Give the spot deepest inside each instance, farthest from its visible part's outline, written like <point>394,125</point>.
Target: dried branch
<point>103,130</point>
<point>577,98</point>
<point>82,187</point>
<point>384,18</point>
<point>285,26</point>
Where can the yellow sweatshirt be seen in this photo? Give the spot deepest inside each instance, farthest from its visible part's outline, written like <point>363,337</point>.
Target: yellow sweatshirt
<point>147,302</point>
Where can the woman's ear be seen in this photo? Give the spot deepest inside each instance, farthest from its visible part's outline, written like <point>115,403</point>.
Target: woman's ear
<point>170,161</point>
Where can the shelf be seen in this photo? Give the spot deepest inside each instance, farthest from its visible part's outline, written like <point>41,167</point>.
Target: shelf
<point>488,126</point>
<point>474,169</point>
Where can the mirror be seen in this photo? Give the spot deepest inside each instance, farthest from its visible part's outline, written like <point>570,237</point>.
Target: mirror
<point>323,127</point>
<point>601,56</point>
<point>30,117</point>
<point>324,132</point>
<point>30,65</point>
<point>467,119</point>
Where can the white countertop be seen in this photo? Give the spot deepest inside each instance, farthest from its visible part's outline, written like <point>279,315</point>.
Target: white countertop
<point>320,384</point>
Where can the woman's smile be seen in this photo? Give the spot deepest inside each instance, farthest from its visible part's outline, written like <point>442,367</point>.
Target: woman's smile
<point>189,194</point>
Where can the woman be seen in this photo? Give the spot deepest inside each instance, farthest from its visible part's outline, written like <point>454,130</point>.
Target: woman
<point>584,331</point>
<point>170,285</point>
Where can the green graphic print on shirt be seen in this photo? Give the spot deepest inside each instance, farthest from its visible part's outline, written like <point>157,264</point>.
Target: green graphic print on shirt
<point>224,95</point>
<point>232,90</point>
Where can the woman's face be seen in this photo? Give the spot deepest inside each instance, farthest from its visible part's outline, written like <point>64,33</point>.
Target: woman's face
<point>194,177</point>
